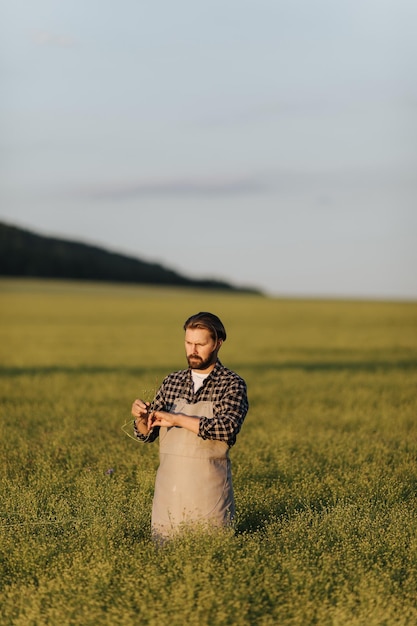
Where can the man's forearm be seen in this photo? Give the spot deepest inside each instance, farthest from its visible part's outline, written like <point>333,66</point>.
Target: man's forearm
<point>167,420</point>
<point>141,426</point>
<point>187,422</point>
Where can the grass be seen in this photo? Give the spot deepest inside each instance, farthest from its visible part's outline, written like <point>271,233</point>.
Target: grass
<point>324,469</point>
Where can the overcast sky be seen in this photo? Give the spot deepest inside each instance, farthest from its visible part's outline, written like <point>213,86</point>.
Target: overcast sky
<point>264,142</point>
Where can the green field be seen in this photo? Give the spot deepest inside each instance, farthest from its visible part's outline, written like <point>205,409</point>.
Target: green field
<point>325,467</point>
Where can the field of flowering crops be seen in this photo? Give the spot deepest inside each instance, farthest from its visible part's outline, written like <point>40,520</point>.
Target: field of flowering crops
<point>325,467</point>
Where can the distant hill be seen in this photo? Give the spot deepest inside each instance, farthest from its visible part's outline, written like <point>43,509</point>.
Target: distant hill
<point>26,254</point>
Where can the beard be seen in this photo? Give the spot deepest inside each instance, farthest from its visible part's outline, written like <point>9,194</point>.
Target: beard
<point>197,363</point>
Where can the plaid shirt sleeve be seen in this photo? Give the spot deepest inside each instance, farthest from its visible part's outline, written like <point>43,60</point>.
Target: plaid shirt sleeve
<point>172,387</point>
<point>229,410</point>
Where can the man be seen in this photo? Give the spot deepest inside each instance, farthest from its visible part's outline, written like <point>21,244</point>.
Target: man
<point>197,414</point>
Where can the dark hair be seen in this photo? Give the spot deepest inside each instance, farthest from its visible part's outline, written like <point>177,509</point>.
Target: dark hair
<point>209,321</point>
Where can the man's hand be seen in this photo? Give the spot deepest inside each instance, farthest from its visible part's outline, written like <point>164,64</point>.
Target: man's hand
<point>161,418</point>
<point>140,411</point>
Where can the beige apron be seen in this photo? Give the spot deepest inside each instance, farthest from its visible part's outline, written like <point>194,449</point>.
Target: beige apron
<point>193,482</point>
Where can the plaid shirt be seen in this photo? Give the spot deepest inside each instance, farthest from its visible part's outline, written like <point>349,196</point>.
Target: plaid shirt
<point>223,387</point>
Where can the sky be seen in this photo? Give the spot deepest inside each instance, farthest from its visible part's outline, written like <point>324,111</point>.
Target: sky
<point>267,143</point>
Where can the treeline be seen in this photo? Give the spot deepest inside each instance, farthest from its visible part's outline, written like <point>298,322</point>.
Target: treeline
<point>26,254</point>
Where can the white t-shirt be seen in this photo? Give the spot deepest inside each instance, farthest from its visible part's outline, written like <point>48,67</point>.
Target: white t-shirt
<point>198,380</point>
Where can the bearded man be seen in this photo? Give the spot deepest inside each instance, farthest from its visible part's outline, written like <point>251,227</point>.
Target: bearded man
<point>196,415</point>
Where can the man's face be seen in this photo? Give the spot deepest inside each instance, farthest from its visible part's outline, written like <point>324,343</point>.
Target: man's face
<point>201,349</point>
